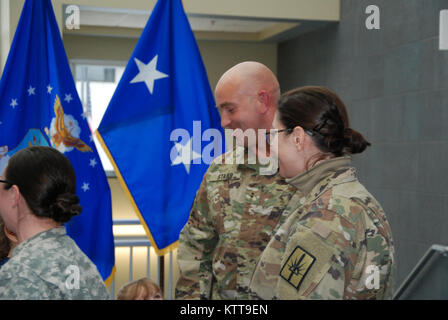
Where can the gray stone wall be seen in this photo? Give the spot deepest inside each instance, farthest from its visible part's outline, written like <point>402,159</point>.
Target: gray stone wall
<point>394,82</point>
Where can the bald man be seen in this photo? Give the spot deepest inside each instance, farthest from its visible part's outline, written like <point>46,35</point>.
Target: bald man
<point>246,97</point>
<point>236,209</point>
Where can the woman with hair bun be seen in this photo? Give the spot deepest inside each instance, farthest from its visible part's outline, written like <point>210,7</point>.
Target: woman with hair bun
<point>333,240</point>
<point>37,196</point>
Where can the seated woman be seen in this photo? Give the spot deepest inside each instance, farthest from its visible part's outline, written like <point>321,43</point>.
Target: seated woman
<point>334,241</point>
<point>141,289</point>
<point>37,196</point>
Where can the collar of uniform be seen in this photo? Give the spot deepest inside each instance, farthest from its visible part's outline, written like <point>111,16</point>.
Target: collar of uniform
<point>251,161</point>
<point>47,234</point>
<point>306,181</point>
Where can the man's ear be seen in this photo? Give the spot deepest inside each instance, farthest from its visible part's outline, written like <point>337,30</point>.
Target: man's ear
<point>265,99</point>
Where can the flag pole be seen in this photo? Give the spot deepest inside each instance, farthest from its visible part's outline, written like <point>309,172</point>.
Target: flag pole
<point>162,273</point>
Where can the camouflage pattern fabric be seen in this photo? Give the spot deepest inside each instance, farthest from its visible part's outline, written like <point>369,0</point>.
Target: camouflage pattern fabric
<point>233,217</point>
<point>335,244</point>
<point>50,266</point>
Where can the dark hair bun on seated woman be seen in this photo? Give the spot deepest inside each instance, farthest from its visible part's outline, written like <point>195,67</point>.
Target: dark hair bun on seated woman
<point>65,207</point>
<point>47,181</point>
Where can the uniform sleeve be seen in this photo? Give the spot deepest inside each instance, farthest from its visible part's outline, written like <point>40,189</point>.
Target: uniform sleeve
<point>196,243</point>
<point>376,263</point>
<point>309,268</point>
<point>377,272</point>
<point>362,267</point>
<point>19,288</point>
<point>320,255</point>
<point>343,251</point>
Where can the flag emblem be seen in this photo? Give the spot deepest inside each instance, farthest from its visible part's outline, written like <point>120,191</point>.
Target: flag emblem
<point>64,131</point>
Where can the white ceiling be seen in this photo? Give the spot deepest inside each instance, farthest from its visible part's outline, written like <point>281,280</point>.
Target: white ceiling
<point>229,25</point>
<point>99,21</point>
<point>106,17</point>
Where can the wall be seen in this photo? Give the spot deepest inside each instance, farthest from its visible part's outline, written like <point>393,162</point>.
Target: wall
<point>217,56</point>
<point>394,82</point>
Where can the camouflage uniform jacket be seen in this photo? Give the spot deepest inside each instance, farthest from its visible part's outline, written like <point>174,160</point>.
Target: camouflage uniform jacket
<point>48,267</point>
<point>336,243</point>
<point>235,212</point>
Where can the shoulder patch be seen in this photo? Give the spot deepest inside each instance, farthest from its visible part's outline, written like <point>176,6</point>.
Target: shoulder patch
<point>308,259</point>
<point>297,266</point>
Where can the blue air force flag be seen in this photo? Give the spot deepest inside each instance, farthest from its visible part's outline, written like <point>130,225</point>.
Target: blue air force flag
<point>39,105</point>
<point>161,128</point>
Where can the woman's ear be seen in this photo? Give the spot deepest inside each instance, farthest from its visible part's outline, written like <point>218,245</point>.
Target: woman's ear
<point>298,135</point>
<point>12,196</point>
<point>15,195</point>
<point>11,236</point>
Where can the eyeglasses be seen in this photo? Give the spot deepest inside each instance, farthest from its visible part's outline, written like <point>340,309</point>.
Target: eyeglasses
<point>6,182</point>
<point>270,136</point>
<point>273,132</point>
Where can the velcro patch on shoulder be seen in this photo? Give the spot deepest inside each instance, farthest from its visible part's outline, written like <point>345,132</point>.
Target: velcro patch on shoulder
<point>308,257</point>
<point>297,266</point>
<point>223,176</point>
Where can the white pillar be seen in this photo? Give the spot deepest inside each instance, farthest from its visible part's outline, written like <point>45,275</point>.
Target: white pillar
<point>443,33</point>
<point>58,13</point>
<point>4,32</point>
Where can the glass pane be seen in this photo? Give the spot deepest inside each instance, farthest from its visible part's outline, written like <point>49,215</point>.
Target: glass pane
<point>431,283</point>
<point>96,84</point>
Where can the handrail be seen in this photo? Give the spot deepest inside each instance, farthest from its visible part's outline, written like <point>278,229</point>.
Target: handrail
<point>118,222</point>
<point>435,248</point>
<point>142,241</point>
<point>134,242</point>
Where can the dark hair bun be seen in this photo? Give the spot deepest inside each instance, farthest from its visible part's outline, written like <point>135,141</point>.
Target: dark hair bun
<point>335,145</point>
<point>321,112</point>
<point>65,207</point>
<point>47,182</point>
<point>354,142</point>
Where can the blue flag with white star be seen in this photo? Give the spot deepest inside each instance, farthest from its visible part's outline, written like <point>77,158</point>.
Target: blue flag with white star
<point>161,128</point>
<point>39,105</point>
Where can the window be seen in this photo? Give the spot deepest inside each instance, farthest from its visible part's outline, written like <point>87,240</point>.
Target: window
<point>96,83</point>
